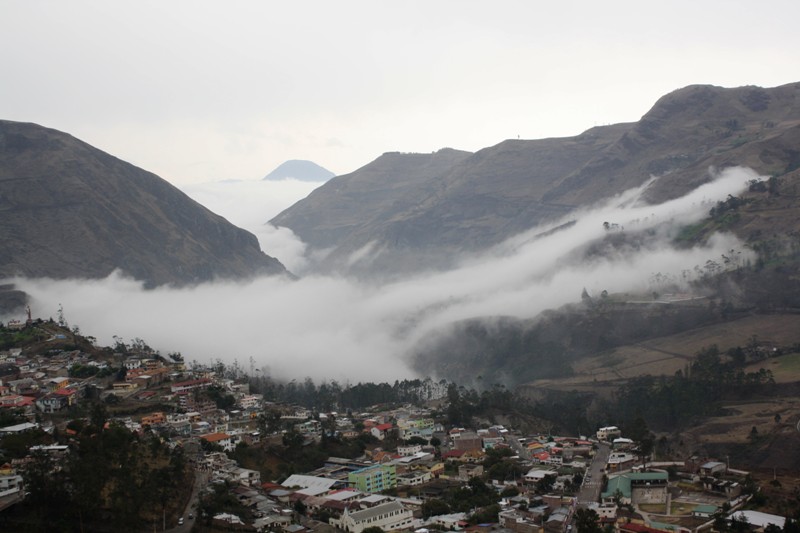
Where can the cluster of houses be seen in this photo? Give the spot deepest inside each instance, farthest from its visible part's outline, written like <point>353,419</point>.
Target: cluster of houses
<point>42,383</point>
<point>385,488</point>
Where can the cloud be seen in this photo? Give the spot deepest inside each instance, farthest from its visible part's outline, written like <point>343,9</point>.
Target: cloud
<point>250,204</point>
<point>327,327</point>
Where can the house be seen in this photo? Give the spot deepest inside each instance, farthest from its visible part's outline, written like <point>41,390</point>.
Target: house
<point>412,479</point>
<point>621,443</point>
<point>227,442</point>
<point>713,467</point>
<point>406,451</point>
<point>13,401</point>
<point>518,522</point>
<point>55,401</point>
<point>704,511</point>
<point>620,461</point>
<point>422,428</point>
<point>468,441</point>
<point>469,471</point>
<point>388,516</point>
<point>154,419</point>
<point>250,401</point>
<point>730,489</point>
<point>536,475</point>
<point>637,487</point>
<point>453,455</point>
<point>381,430</point>
<point>10,484</point>
<point>245,476</point>
<point>190,385</point>
<point>608,433</point>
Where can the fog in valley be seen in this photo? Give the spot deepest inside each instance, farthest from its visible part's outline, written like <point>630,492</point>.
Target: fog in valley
<point>328,327</point>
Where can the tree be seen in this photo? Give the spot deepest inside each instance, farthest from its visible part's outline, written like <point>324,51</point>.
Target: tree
<point>434,507</point>
<point>300,507</point>
<point>509,491</point>
<point>587,521</point>
<point>644,439</point>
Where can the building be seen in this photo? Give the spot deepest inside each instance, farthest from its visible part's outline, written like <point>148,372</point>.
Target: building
<point>305,482</point>
<point>227,442</point>
<point>375,478</point>
<point>381,430</point>
<point>759,519</point>
<point>713,467</point>
<point>154,419</point>
<point>469,471</point>
<point>190,385</point>
<point>387,516</point>
<point>637,487</point>
<point>422,428</point>
<point>608,433</point>
<point>408,451</point>
<point>467,441</point>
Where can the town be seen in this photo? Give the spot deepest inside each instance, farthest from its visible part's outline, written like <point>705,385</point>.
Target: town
<point>85,431</point>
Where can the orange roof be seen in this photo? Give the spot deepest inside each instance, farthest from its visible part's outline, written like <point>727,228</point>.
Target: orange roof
<point>215,437</point>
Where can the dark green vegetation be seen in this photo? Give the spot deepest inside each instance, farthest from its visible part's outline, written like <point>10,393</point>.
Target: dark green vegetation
<point>111,479</point>
<point>329,396</point>
<point>68,210</point>
<point>671,403</point>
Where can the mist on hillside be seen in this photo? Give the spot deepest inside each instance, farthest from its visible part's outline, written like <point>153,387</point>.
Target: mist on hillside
<point>248,204</point>
<point>327,327</point>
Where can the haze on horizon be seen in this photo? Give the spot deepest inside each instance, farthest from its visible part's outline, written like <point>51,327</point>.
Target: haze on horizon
<point>200,91</point>
<point>328,328</point>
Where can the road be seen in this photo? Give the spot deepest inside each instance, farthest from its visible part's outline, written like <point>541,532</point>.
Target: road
<point>593,481</point>
<point>520,450</point>
<point>200,481</point>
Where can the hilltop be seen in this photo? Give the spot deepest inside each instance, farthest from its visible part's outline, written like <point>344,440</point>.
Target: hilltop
<point>69,210</point>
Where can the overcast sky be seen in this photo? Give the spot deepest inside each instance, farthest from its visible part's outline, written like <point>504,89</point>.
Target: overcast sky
<point>199,91</point>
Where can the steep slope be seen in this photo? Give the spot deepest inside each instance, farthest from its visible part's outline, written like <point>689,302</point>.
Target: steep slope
<point>349,210</point>
<point>474,201</point>
<point>68,210</point>
<point>604,340</point>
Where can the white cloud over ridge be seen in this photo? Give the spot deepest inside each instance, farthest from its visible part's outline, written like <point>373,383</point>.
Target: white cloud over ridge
<point>334,328</point>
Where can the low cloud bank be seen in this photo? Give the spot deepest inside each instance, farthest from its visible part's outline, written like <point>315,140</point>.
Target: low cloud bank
<point>333,328</point>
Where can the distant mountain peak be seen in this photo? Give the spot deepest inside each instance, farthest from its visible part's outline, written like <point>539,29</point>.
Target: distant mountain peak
<point>300,169</point>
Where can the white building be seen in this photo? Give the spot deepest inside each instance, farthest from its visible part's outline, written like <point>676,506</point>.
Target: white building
<point>387,516</point>
<point>250,401</point>
<point>607,432</point>
<point>759,519</point>
<point>407,451</point>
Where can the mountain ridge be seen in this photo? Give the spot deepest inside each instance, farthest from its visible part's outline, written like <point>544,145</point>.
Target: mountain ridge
<point>69,210</point>
<point>483,198</point>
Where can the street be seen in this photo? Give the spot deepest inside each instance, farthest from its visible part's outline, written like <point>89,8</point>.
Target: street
<point>593,481</point>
